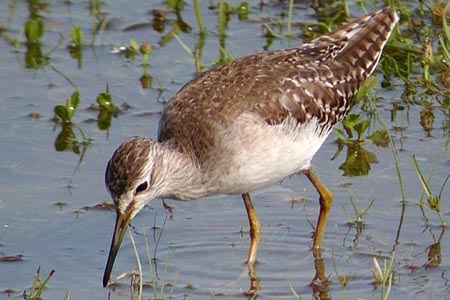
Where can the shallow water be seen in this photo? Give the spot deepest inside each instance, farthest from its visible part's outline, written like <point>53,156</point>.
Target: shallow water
<point>48,199</point>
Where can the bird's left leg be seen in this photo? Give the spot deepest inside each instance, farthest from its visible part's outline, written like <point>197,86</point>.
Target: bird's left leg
<point>255,229</point>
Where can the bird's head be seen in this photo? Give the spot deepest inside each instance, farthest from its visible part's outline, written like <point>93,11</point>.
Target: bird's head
<point>128,178</point>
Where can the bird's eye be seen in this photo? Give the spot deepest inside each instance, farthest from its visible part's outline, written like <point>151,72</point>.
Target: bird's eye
<point>142,187</point>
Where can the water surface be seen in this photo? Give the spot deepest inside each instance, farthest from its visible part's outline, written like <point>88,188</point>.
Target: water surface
<point>48,201</point>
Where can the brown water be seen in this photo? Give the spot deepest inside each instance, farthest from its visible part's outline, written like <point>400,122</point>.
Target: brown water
<point>202,249</point>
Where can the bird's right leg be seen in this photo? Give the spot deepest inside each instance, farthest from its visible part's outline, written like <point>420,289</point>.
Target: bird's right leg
<point>326,201</point>
<point>255,236</point>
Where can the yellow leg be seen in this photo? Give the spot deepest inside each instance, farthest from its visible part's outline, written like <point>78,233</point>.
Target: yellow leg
<point>255,229</point>
<point>326,200</point>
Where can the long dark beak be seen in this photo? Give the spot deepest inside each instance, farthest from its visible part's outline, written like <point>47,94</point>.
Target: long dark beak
<point>122,222</point>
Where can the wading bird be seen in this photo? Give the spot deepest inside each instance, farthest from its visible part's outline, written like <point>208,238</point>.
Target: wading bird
<point>248,124</point>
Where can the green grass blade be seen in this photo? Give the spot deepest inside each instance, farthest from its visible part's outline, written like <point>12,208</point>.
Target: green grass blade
<point>138,261</point>
<point>422,179</point>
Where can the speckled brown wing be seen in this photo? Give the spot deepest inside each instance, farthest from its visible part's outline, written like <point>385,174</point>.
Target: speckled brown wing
<point>318,79</point>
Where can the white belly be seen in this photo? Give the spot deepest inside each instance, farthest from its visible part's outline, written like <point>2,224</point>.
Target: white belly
<point>259,154</point>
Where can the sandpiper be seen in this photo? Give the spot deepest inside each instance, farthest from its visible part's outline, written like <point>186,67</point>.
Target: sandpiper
<point>248,124</point>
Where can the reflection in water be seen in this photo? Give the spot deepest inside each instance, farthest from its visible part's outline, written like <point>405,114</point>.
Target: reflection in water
<point>107,110</point>
<point>358,160</point>
<point>427,119</point>
<point>34,32</point>
<point>159,20</point>
<point>434,250</point>
<point>67,140</point>
<point>76,46</point>
<point>34,58</point>
<point>254,282</point>
<point>320,283</point>
<point>359,230</point>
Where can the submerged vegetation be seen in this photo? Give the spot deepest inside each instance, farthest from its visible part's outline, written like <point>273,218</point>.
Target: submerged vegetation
<point>414,75</point>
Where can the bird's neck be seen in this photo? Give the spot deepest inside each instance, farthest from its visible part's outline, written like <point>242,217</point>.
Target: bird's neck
<point>180,175</point>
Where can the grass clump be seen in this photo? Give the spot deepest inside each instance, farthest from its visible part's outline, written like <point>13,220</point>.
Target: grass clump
<point>38,285</point>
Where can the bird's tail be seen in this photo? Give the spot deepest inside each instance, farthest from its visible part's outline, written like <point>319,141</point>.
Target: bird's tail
<point>362,40</point>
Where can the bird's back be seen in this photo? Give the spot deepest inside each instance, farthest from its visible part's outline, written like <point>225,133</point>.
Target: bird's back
<point>302,82</point>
